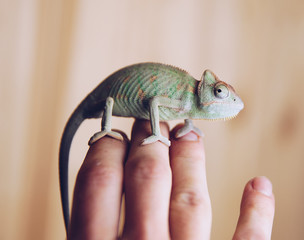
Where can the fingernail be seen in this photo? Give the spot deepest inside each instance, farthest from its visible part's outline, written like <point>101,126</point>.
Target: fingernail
<point>191,136</point>
<point>262,185</point>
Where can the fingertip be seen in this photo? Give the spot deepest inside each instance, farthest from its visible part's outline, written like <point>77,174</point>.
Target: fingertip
<point>258,195</point>
<point>262,185</point>
<point>189,146</point>
<point>258,187</point>
<point>104,145</point>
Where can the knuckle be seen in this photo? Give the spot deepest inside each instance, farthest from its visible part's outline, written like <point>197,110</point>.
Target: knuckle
<point>149,168</point>
<point>189,198</point>
<point>259,205</point>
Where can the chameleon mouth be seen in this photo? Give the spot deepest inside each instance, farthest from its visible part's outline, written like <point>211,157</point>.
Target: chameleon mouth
<point>222,119</point>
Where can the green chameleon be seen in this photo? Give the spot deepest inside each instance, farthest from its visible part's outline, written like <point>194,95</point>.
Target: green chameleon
<point>151,91</point>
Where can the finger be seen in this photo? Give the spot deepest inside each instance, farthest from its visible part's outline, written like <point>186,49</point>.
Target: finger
<point>257,210</point>
<point>190,207</point>
<point>98,191</point>
<point>147,186</point>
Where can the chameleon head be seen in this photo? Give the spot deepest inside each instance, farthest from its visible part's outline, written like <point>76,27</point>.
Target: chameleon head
<point>218,99</point>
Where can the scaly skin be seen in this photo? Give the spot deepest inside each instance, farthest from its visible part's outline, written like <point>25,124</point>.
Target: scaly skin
<point>151,91</point>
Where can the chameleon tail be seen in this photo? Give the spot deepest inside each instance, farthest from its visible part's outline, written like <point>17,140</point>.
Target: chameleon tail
<point>86,109</point>
<point>70,129</point>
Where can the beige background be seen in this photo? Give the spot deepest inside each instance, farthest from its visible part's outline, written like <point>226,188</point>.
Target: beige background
<point>54,52</point>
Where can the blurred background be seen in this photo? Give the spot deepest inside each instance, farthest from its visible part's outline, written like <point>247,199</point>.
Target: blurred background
<point>53,53</point>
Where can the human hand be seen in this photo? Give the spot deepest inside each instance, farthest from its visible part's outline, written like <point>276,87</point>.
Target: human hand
<point>166,194</point>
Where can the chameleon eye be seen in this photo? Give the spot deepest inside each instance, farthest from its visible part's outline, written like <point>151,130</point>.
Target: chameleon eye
<point>221,91</point>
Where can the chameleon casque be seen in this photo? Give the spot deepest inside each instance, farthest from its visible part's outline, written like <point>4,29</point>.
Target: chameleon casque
<point>151,91</point>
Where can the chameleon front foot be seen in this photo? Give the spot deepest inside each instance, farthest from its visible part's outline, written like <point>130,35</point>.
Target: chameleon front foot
<point>188,127</point>
<point>155,138</point>
<point>102,134</point>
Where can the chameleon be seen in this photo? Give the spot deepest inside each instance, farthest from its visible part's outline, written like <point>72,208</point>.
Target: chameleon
<point>152,91</point>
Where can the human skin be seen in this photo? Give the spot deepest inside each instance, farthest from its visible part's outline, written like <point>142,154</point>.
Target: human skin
<point>166,193</point>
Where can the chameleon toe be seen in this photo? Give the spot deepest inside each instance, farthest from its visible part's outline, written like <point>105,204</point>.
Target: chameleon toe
<point>155,138</point>
<point>188,127</point>
<point>96,137</point>
<point>115,135</point>
<point>102,134</point>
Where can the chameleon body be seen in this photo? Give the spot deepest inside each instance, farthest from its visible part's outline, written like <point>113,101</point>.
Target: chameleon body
<point>152,91</point>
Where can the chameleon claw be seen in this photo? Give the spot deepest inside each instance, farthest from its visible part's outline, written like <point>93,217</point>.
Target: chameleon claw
<point>188,127</point>
<point>102,134</point>
<point>155,138</point>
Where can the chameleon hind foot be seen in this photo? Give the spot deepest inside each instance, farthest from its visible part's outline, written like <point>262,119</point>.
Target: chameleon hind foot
<point>155,138</point>
<point>106,129</point>
<point>188,127</point>
<point>104,133</point>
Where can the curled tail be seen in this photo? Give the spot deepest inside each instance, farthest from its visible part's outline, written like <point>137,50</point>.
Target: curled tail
<point>86,109</point>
